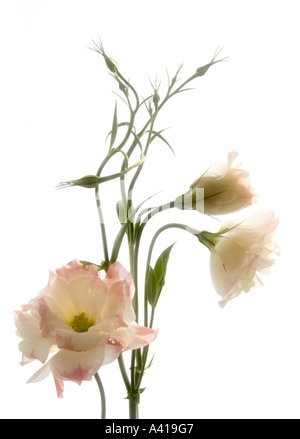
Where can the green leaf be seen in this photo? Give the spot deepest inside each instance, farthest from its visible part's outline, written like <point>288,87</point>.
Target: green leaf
<point>158,134</point>
<point>114,128</point>
<point>122,124</point>
<point>160,268</point>
<point>150,364</point>
<point>151,286</point>
<point>184,89</point>
<point>155,279</point>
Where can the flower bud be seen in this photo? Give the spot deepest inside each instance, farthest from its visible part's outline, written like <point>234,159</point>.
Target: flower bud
<point>202,70</point>
<point>156,99</point>
<point>110,64</point>
<point>89,181</point>
<point>226,189</point>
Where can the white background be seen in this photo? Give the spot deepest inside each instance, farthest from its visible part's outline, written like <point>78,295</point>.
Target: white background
<point>56,109</point>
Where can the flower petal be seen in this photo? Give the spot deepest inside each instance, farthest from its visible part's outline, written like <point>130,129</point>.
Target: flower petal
<point>82,366</point>
<point>76,341</point>
<point>134,336</point>
<point>33,345</point>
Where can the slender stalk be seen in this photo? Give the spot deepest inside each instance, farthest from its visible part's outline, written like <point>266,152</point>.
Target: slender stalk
<point>151,122</point>
<point>150,251</point>
<point>98,202</point>
<point>155,236</point>
<point>133,410</point>
<point>140,167</point>
<point>102,225</point>
<point>102,395</point>
<point>124,373</point>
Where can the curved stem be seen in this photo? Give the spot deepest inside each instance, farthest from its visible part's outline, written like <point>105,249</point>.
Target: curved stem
<point>169,226</point>
<point>159,231</point>
<point>99,208</point>
<point>102,394</point>
<point>133,89</point>
<point>151,122</point>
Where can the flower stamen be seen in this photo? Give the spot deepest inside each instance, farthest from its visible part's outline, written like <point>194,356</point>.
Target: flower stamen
<point>81,323</point>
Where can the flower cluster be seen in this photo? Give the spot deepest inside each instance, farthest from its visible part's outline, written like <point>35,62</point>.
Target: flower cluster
<point>240,249</point>
<point>88,314</point>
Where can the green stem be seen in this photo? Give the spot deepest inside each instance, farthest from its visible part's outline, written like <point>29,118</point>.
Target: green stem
<point>151,122</point>
<point>102,395</point>
<point>159,231</point>
<point>133,406</point>
<point>102,225</point>
<point>139,169</point>
<point>134,274</point>
<point>99,208</point>
<point>133,409</point>
<point>124,373</point>
<point>139,135</point>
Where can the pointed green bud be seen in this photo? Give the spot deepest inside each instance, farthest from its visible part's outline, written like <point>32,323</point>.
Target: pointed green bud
<point>202,70</point>
<point>123,88</point>
<point>89,181</point>
<point>111,64</point>
<point>156,99</point>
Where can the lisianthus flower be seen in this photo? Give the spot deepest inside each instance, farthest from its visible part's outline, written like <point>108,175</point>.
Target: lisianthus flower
<point>241,250</point>
<point>86,319</point>
<point>220,190</point>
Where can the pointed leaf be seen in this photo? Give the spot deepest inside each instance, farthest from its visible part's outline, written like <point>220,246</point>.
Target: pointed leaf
<point>150,364</point>
<point>121,124</point>
<point>114,128</point>
<point>158,134</point>
<point>119,96</point>
<point>151,286</point>
<point>184,89</point>
<point>164,140</point>
<point>160,268</point>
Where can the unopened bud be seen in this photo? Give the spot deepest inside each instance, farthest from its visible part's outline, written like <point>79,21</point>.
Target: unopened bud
<point>89,181</point>
<point>156,99</point>
<point>123,88</point>
<point>202,70</point>
<point>111,64</point>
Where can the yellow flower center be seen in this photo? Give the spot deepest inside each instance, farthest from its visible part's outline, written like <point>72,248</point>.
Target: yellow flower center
<point>81,323</point>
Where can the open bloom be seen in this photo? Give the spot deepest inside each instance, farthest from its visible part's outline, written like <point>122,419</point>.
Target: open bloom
<point>86,319</point>
<point>239,251</point>
<point>220,190</point>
